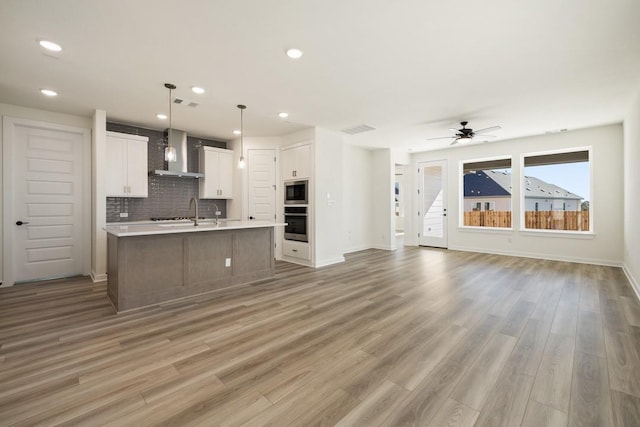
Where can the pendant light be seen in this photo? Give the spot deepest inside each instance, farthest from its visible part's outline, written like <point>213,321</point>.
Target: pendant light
<point>170,154</point>
<point>241,163</point>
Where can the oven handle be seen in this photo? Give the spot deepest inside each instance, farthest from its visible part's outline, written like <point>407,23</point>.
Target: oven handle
<point>295,214</point>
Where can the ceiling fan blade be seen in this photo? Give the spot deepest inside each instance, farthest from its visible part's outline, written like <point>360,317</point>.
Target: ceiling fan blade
<point>485,136</point>
<point>491,129</point>
<point>441,137</point>
<point>454,130</point>
<point>454,142</point>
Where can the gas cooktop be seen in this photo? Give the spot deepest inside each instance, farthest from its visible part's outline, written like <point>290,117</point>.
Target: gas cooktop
<point>174,218</point>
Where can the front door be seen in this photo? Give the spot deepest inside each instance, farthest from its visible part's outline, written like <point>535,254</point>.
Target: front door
<point>432,178</point>
<point>45,201</point>
<point>262,184</point>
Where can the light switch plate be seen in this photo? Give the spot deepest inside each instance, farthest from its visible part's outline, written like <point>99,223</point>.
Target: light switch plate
<point>227,262</point>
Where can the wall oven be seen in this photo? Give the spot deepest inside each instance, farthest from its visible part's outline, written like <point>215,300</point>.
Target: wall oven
<point>297,221</point>
<point>296,193</point>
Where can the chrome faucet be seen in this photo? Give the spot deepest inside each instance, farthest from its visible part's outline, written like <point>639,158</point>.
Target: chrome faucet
<point>217,213</point>
<point>191,202</point>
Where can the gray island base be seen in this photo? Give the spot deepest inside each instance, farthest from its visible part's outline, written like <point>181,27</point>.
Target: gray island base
<point>147,268</point>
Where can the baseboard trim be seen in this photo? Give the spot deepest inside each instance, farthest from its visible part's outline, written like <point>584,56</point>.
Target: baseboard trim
<point>331,261</point>
<point>382,247</point>
<point>634,283</point>
<point>579,260</point>
<point>357,249</point>
<point>98,277</point>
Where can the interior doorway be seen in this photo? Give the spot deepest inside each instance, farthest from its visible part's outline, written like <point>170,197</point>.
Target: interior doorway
<point>399,204</point>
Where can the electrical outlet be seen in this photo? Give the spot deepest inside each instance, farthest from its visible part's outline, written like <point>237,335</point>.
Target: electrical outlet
<point>227,262</point>
<point>124,214</point>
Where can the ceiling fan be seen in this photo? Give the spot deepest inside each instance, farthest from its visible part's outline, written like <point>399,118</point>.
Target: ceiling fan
<point>466,134</point>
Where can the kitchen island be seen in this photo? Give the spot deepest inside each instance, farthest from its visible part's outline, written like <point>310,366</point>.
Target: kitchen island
<point>154,263</point>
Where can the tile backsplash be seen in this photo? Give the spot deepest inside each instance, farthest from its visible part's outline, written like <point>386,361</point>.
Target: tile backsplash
<point>168,196</point>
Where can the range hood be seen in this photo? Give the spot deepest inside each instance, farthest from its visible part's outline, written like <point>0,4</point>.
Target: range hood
<point>178,140</point>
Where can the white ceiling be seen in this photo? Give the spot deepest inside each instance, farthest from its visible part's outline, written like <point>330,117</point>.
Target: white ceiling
<point>410,68</point>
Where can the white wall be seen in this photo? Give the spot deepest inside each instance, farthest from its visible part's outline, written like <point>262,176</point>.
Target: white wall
<point>98,196</point>
<point>40,115</point>
<point>383,165</point>
<point>604,247</point>
<point>631,242</point>
<point>328,196</point>
<point>357,212</point>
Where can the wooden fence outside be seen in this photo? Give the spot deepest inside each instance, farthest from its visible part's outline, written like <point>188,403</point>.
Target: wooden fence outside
<point>488,219</point>
<point>557,220</point>
<point>540,220</point>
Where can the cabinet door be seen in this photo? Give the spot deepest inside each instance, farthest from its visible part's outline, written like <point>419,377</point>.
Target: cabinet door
<point>137,175</point>
<point>225,177</point>
<point>209,167</point>
<point>288,160</point>
<point>303,161</point>
<point>116,167</point>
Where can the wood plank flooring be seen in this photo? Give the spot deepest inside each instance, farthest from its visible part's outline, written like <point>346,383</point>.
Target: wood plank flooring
<point>418,336</point>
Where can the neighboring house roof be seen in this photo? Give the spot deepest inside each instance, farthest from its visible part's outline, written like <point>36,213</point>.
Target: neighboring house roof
<point>538,188</point>
<point>493,183</point>
<point>479,184</point>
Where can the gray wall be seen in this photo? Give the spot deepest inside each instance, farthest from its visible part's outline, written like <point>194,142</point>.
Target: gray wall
<point>168,196</point>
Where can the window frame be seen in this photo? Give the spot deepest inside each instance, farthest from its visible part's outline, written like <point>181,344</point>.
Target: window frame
<point>522,189</point>
<point>461,164</point>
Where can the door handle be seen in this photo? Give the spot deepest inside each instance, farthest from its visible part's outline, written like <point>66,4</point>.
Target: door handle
<point>22,222</point>
<point>251,217</point>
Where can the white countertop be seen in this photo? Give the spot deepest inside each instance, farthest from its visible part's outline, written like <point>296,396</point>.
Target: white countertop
<point>145,228</point>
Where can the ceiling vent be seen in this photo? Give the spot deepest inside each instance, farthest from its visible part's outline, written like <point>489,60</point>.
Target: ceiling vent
<point>358,129</point>
<point>186,102</point>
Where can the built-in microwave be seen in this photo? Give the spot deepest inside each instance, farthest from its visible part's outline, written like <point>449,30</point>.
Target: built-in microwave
<point>296,193</point>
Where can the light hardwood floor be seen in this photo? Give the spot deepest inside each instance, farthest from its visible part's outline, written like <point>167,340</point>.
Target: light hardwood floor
<point>413,337</point>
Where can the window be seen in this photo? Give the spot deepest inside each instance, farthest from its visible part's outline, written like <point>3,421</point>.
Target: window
<point>486,195</point>
<point>557,191</point>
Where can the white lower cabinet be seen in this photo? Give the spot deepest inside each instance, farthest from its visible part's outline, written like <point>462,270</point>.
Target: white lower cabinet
<point>295,249</point>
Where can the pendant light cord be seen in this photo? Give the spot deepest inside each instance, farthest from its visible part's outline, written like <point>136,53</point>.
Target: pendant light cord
<point>168,136</point>
<point>242,160</point>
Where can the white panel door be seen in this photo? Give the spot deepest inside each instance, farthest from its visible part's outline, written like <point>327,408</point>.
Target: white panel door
<point>47,203</point>
<point>262,184</point>
<point>433,197</point>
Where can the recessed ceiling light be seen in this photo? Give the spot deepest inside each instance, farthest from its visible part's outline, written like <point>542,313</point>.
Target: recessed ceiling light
<point>283,115</point>
<point>161,116</point>
<point>236,132</point>
<point>49,45</point>
<point>48,92</point>
<point>294,53</point>
<point>197,90</point>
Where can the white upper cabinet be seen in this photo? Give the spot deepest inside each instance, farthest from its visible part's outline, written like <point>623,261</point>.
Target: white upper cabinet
<point>217,166</point>
<point>296,162</point>
<point>127,170</point>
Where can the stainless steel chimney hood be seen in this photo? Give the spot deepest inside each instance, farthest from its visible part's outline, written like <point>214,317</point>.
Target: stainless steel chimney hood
<point>178,140</point>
